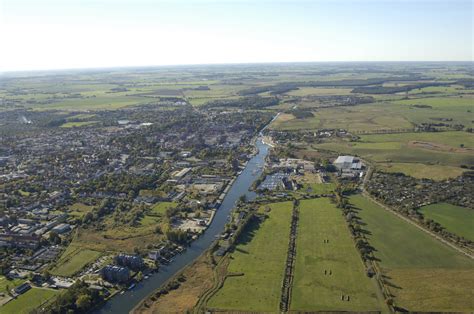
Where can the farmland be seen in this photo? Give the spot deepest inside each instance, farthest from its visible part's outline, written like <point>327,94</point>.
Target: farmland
<point>73,260</point>
<point>385,129</point>
<point>420,171</point>
<point>79,210</point>
<point>101,151</point>
<point>4,283</point>
<point>313,290</point>
<point>456,219</point>
<point>77,124</point>
<point>160,208</point>
<point>422,273</point>
<point>29,301</point>
<point>260,258</point>
<point>444,148</point>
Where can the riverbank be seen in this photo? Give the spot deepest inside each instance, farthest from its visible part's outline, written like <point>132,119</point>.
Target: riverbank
<point>123,303</point>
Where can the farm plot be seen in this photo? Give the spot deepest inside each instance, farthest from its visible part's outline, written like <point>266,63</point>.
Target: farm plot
<point>423,171</point>
<point>422,273</point>
<point>319,91</point>
<point>386,114</point>
<point>79,210</point>
<point>73,260</point>
<point>29,301</point>
<point>456,219</point>
<point>446,148</point>
<point>92,103</point>
<point>159,209</point>
<point>259,262</point>
<point>358,118</point>
<point>327,263</point>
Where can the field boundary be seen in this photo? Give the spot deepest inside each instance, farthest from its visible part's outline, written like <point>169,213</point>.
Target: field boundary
<point>287,284</point>
<point>408,220</point>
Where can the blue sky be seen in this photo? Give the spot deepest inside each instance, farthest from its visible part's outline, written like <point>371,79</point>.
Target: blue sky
<point>52,34</point>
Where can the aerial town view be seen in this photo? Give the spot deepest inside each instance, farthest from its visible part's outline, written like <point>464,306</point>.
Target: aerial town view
<point>155,182</point>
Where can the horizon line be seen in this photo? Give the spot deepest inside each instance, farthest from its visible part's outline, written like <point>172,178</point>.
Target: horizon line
<point>92,68</point>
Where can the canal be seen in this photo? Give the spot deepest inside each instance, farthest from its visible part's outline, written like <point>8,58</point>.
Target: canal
<point>123,303</point>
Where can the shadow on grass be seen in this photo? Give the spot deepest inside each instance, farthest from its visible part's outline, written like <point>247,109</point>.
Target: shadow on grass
<point>241,251</point>
<point>248,233</point>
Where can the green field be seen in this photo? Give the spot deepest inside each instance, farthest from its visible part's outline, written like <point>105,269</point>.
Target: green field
<point>305,91</point>
<point>78,124</point>
<point>79,209</point>
<point>384,114</point>
<point>4,282</point>
<point>312,289</point>
<point>422,273</point>
<point>357,118</point>
<point>93,103</point>
<point>420,171</point>
<point>260,256</point>
<point>160,208</point>
<point>456,219</point>
<point>29,301</point>
<point>318,188</point>
<point>442,148</point>
<point>73,260</point>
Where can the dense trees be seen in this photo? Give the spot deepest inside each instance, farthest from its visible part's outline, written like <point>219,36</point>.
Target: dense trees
<point>79,298</point>
<point>254,102</point>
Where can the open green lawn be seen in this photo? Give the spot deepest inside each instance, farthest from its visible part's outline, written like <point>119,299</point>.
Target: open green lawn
<point>453,138</point>
<point>29,301</point>
<point>457,108</point>
<point>420,171</point>
<point>79,209</point>
<point>312,289</point>
<point>354,118</point>
<point>456,219</point>
<point>388,113</point>
<point>161,207</point>
<point>73,260</point>
<point>24,193</point>
<point>4,282</point>
<point>422,273</point>
<point>400,244</point>
<point>81,117</point>
<point>318,188</point>
<point>93,103</point>
<point>260,256</point>
<point>441,147</point>
<point>78,124</point>
<point>305,91</point>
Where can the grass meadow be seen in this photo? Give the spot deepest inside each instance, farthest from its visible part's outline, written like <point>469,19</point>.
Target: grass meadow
<point>422,273</point>
<point>78,124</point>
<point>79,210</point>
<point>73,260</point>
<point>443,148</point>
<point>260,257</point>
<point>29,301</point>
<point>313,290</point>
<point>422,171</point>
<point>456,219</point>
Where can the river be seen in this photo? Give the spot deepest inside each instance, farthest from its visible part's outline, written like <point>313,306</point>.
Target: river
<point>124,303</point>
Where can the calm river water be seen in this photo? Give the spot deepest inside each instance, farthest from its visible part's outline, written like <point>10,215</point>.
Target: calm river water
<point>123,303</point>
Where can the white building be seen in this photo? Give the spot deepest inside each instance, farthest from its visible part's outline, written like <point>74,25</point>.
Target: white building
<point>347,163</point>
